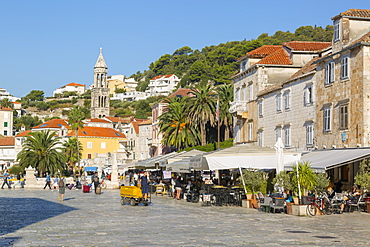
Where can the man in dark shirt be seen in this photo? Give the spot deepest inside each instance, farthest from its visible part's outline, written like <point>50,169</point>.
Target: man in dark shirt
<point>145,185</point>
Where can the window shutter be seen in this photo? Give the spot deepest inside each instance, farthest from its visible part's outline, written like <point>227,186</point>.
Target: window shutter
<point>331,72</point>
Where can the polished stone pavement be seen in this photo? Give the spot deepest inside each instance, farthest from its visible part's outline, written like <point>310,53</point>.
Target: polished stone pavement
<point>37,218</point>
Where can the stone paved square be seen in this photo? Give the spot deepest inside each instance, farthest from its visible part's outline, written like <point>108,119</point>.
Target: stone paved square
<point>37,218</point>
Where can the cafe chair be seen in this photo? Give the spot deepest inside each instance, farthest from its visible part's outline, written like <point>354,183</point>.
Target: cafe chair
<point>160,189</point>
<point>360,203</point>
<point>265,204</point>
<point>278,205</point>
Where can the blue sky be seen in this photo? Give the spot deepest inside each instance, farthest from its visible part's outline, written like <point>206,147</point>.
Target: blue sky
<point>47,44</point>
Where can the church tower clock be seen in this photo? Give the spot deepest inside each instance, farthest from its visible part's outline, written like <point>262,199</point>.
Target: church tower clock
<point>100,90</point>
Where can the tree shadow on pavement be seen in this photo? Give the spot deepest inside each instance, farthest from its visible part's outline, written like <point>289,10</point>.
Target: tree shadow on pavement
<point>17,213</point>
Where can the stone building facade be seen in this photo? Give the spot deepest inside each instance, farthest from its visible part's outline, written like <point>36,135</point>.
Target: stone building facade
<point>266,66</point>
<point>287,111</point>
<point>343,84</point>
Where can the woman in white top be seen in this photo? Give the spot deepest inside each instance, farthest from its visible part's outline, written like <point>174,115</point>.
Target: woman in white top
<point>55,182</point>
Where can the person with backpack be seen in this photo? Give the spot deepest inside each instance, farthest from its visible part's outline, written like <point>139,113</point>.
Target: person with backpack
<point>19,177</point>
<point>95,180</point>
<point>62,188</point>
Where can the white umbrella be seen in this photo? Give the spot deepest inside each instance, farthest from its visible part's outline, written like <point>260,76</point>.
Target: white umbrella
<point>279,146</point>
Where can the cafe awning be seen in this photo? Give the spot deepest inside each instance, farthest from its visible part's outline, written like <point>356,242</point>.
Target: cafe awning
<point>330,158</point>
<point>90,169</point>
<point>160,160</point>
<point>247,156</point>
<point>181,162</point>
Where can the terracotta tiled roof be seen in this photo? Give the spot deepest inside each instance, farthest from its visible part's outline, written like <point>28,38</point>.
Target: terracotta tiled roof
<point>355,13</point>
<point>310,66</point>
<point>7,141</point>
<point>270,89</point>
<point>181,91</point>
<point>97,132</point>
<point>136,126</point>
<point>146,122</point>
<point>307,45</point>
<point>24,133</point>
<point>16,103</point>
<point>280,57</point>
<point>157,77</point>
<point>97,120</point>
<point>75,84</point>
<point>307,68</point>
<point>161,76</point>
<point>116,119</point>
<point>263,51</point>
<point>363,39</point>
<point>5,109</point>
<point>53,123</point>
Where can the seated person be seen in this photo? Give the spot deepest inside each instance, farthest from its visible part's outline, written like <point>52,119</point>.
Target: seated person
<point>288,197</point>
<point>331,193</point>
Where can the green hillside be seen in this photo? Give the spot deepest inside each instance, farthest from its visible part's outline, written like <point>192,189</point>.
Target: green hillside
<point>218,62</point>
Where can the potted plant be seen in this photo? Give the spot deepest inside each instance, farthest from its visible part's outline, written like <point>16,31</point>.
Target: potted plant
<point>284,180</point>
<point>362,179</point>
<point>254,180</point>
<point>304,180</point>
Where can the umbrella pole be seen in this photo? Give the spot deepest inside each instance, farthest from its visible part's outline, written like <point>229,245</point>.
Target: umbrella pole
<point>299,185</point>
<point>241,174</point>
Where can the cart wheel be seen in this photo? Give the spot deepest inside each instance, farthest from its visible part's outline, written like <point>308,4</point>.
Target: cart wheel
<point>132,202</point>
<point>123,201</point>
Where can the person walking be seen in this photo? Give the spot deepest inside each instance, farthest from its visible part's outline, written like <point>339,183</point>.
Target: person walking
<point>95,180</point>
<point>178,187</point>
<point>6,176</point>
<point>55,182</point>
<point>19,177</point>
<point>47,181</point>
<point>62,188</point>
<point>144,181</point>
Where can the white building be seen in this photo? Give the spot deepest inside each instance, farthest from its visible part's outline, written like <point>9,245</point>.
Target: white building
<point>6,121</point>
<point>71,87</point>
<point>130,96</point>
<point>163,85</point>
<point>287,110</point>
<point>7,152</point>
<point>266,66</point>
<point>5,94</point>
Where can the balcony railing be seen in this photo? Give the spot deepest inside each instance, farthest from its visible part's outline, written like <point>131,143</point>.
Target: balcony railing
<point>238,107</point>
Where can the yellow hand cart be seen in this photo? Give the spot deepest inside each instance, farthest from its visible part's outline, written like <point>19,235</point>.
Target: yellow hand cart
<point>132,195</point>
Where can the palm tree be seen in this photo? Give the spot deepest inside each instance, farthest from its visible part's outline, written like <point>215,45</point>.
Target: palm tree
<point>70,147</point>
<point>42,150</point>
<point>202,107</point>
<point>5,103</point>
<point>175,125</point>
<point>226,93</point>
<point>75,117</point>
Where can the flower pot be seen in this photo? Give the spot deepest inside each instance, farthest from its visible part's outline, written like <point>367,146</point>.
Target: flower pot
<point>299,210</point>
<point>245,203</point>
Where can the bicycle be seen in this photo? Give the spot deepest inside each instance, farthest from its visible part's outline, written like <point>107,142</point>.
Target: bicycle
<point>319,204</point>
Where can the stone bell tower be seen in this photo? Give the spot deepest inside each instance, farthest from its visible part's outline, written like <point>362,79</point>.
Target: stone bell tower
<point>100,91</point>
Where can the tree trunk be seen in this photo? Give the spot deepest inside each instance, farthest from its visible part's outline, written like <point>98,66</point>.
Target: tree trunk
<point>203,132</point>
<point>227,132</point>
